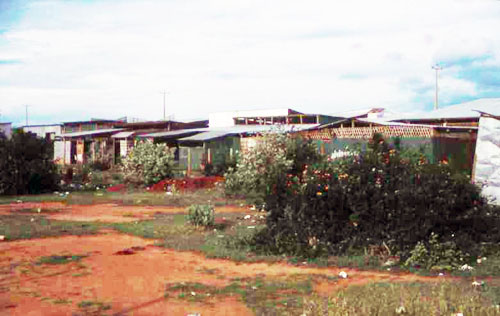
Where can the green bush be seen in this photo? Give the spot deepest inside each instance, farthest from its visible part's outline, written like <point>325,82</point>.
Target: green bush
<point>374,197</point>
<point>26,165</point>
<point>258,169</point>
<point>436,255</point>
<point>148,163</point>
<point>201,215</point>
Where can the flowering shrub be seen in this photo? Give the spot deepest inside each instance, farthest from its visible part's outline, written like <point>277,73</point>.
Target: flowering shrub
<point>258,170</point>
<point>373,197</point>
<point>148,163</point>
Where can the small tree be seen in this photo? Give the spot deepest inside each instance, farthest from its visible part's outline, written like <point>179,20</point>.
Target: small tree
<point>148,163</point>
<point>26,165</point>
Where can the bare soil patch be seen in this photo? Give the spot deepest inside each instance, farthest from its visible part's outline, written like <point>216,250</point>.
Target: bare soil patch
<point>111,213</point>
<point>136,283</point>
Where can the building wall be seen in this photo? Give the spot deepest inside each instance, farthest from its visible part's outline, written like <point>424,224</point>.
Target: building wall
<point>457,149</point>
<point>6,129</point>
<point>219,151</point>
<point>126,145</point>
<point>59,151</point>
<point>224,119</point>
<point>44,131</point>
<point>487,165</point>
<point>329,147</point>
<point>86,126</point>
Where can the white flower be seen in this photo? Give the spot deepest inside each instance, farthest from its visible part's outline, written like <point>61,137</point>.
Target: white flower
<point>479,261</point>
<point>441,274</point>
<point>458,314</point>
<point>39,210</point>
<point>32,219</point>
<point>400,310</point>
<point>343,275</point>
<point>475,283</point>
<point>466,267</point>
<point>193,293</point>
<point>247,217</point>
<point>2,237</point>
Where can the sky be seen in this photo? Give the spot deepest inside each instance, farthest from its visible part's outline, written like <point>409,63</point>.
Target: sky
<point>80,59</point>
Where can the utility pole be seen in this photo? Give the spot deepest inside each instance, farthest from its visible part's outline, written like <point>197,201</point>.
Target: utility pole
<point>437,68</point>
<point>26,114</point>
<point>164,98</point>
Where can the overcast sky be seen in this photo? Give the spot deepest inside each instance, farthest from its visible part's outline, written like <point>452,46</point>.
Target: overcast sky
<point>77,59</point>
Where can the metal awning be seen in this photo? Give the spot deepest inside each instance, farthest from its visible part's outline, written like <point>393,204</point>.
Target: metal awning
<point>91,133</point>
<point>245,130</point>
<point>174,134</point>
<point>125,134</point>
<point>206,136</point>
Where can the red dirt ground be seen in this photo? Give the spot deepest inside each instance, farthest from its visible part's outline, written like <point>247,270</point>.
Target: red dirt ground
<point>104,212</point>
<point>135,284</point>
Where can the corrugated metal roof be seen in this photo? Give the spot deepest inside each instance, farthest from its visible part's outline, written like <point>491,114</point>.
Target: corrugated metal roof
<point>204,136</point>
<point>462,110</point>
<point>178,132</point>
<point>124,134</point>
<point>94,132</point>
<point>356,113</point>
<point>388,123</point>
<point>245,129</point>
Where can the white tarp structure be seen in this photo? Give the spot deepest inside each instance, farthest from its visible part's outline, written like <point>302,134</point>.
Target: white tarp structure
<point>487,167</point>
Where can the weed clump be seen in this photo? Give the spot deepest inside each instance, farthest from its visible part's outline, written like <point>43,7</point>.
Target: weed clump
<point>201,215</point>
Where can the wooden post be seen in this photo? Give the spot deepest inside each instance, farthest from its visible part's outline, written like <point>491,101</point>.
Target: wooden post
<point>64,145</point>
<point>189,162</point>
<point>114,152</point>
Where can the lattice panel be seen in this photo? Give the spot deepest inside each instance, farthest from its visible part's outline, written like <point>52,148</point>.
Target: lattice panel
<point>367,132</point>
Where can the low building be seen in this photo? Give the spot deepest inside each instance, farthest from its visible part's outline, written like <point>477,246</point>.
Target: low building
<point>6,129</point>
<point>50,132</point>
<point>160,131</point>
<point>89,141</point>
<point>438,142</point>
<point>283,116</point>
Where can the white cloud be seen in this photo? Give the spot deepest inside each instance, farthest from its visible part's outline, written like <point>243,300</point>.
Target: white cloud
<point>113,58</point>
